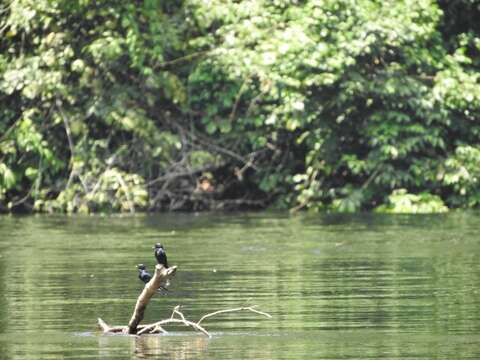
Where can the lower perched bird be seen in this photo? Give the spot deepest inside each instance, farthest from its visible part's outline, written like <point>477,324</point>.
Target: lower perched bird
<point>160,254</point>
<point>143,274</point>
<point>145,277</point>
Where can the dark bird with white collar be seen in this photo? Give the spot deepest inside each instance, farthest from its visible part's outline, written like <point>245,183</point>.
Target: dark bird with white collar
<point>160,254</point>
<point>143,274</point>
<point>145,277</point>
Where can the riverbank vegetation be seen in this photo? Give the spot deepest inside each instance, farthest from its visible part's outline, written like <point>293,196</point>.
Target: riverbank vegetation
<point>341,105</point>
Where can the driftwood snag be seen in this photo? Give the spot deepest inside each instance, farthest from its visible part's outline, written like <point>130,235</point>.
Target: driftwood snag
<point>160,278</point>
<point>177,317</point>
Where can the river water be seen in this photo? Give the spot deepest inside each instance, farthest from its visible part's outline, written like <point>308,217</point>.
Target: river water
<point>338,286</point>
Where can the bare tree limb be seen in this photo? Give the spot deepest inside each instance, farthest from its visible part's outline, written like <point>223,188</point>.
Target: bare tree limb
<point>71,145</point>
<point>249,308</point>
<point>241,91</point>
<point>131,206</point>
<point>174,175</point>
<point>183,58</point>
<point>177,317</point>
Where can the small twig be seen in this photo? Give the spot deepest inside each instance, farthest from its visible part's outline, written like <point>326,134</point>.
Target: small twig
<point>149,328</point>
<point>71,145</point>
<point>173,175</point>
<point>99,181</point>
<point>246,166</point>
<point>229,153</point>
<point>176,311</point>
<point>260,312</point>
<point>241,91</point>
<point>23,199</point>
<point>3,28</point>
<point>103,325</point>
<point>10,129</point>
<point>371,178</point>
<point>183,58</point>
<point>67,128</point>
<point>225,203</point>
<point>6,7</point>
<point>253,103</point>
<point>207,143</point>
<point>305,202</point>
<point>187,323</point>
<point>249,308</point>
<point>131,206</point>
<point>159,328</point>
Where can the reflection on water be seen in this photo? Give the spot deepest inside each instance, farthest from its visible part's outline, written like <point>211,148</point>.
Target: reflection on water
<point>339,286</point>
<point>192,347</point>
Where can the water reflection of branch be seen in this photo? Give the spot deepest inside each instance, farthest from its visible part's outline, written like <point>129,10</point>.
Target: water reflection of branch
<point>155,346</point>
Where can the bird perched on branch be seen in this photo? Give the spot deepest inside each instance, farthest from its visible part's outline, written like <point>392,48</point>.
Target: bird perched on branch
<point>143,274</point>
<point>145,277</point>
<point>160,254</point>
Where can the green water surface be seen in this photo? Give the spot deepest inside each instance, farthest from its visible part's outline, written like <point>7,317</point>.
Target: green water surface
<point>338,286</point>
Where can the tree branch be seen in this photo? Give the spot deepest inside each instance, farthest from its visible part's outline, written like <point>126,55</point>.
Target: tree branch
<point>177,317</point>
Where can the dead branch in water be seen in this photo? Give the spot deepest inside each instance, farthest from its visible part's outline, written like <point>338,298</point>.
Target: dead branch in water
<point>160,278</point>
<point>177,317</point>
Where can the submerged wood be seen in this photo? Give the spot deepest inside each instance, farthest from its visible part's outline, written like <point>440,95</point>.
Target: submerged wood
<point>160,278</point>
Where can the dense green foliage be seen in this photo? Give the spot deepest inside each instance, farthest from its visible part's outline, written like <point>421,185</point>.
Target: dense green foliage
<point>341,105</point>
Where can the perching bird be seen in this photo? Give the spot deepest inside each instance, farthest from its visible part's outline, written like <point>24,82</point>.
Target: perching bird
<point>145,277</point>
<point>160,254</point>
<point>143,274</point>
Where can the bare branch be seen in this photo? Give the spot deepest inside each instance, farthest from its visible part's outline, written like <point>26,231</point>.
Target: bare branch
<point>241,91</point>
<point>158,328</point>
<point>71,145</point>
<point>103,325</point>
<point>174,175</point>
<point>249,308</point>
<point>178,317</point>
<point>124,186</point>
<point>183,58</point>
